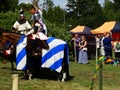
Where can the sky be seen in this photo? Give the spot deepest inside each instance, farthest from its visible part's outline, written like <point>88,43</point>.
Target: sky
<point>61,3</point>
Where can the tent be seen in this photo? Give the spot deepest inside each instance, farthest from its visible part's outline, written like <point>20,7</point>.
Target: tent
<point>112,26</point>
<point>81,30</point>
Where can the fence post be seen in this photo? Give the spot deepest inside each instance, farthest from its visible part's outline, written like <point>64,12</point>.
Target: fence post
<point>96,55</point>
<point>14,81</point>
<point>75,51</point>
<point>100,76</point>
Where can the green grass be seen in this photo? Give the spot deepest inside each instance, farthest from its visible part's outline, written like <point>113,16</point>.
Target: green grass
<point>81,78</point>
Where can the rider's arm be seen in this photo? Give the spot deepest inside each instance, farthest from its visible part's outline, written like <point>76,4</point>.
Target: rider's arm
<point>34,30</point>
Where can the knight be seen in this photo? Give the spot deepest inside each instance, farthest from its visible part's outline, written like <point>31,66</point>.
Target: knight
<point>22,25</point>
<point>38,30</point>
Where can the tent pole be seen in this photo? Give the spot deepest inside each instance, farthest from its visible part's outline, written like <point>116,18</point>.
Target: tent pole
<point>75,51</point>
<point>96,54</point>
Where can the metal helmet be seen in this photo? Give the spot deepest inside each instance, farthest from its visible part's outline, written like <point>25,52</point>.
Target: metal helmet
<point>21,12</point>
<point>36,16</point>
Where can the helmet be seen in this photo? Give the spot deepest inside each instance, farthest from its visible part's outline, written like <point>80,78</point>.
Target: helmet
<point>36,16</point>
<point>21,12</point>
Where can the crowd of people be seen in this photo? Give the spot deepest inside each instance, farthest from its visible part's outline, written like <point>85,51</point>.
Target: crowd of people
<point>104,45</point>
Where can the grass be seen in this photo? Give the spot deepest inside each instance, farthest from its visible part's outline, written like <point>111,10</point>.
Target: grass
<point>81,77</point>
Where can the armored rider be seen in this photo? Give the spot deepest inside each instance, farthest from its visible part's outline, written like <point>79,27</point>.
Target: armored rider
<point>38,29</point>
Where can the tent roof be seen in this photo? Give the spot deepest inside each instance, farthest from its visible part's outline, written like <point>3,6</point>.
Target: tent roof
<point>111,26</point>
<point>81,30</point>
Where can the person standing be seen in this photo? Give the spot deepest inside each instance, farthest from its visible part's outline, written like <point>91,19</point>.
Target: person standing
<point>97,44</point>
<point>117,51</point>
<point>83,57</point>
<point>76,40</point>
<point>102,52</point>
<point>107,43</point>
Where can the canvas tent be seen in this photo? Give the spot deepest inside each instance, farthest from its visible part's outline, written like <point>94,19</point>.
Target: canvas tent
<point>112,26</point>
<point>81,30</point>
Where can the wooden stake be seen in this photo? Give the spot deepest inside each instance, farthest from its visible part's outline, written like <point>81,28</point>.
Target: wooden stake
<point>14,81</point>
<point>75,51</point>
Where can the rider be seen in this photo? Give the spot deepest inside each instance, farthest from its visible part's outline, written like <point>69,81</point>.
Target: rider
<point>38,28</point>
<point>43,26</point>
<point>22,25</point>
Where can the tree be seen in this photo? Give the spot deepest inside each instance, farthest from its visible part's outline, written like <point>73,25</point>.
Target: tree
<point>117,10</point>
<point>6,5</point>
<point>116,5</point>
<point>84,12</point>
<point>54,15</point>
<point>108,10</point>
<point>111,10</point>
<point>25,7</point>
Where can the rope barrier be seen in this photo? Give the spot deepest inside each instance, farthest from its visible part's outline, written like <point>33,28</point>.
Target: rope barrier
<point>99,62</point>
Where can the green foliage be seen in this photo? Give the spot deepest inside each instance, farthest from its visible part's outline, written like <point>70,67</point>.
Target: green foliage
<point>25,7</point>
<point>8,19</point>
<point>49,4</point>
<point>58,31</point>
<point>84,12</point>
<point>116,5</point>
<point>111,10</point>
<point>108,10</point>
<point>6,5</point>
<point>54,15</point>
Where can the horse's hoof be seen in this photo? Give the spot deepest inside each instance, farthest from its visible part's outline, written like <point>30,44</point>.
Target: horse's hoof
<point>30,77</point>
<point>63,80</point>
<point>25,77</point>
<point>58,80</point>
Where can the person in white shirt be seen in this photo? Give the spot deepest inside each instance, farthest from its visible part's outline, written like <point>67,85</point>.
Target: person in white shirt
<point>21,26</point>
<point>102,52</point>
<point>97,44</point>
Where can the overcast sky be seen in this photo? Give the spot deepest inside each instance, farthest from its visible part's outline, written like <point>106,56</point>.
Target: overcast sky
<point>62,3</point>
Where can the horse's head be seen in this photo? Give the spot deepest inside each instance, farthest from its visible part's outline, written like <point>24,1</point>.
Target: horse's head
<point>34,47</point>
<point>2,42</point>
<point>8,37</point>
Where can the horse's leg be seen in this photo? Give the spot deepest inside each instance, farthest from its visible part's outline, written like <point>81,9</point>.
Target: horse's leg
<point>64,77</point>
<point>63,72</point>
<point>30,76</point>
<point>12,64</point>
<point>30,70</point>
<point>26,74</point>
<point>13,56</point>
<point>65,69</point>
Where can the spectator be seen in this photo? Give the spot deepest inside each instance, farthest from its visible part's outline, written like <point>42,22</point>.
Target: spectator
<point>97,44</point>
<point>102,52</point>
<point>107,43</point>
<point>76,40</point>
<point>83,57</point>
<point>117,51</point>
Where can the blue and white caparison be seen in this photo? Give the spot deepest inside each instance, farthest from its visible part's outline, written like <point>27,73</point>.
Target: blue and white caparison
<point>51,58</point>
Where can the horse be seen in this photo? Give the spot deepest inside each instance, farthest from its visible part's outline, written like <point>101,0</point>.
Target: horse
<point>31,51</point>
